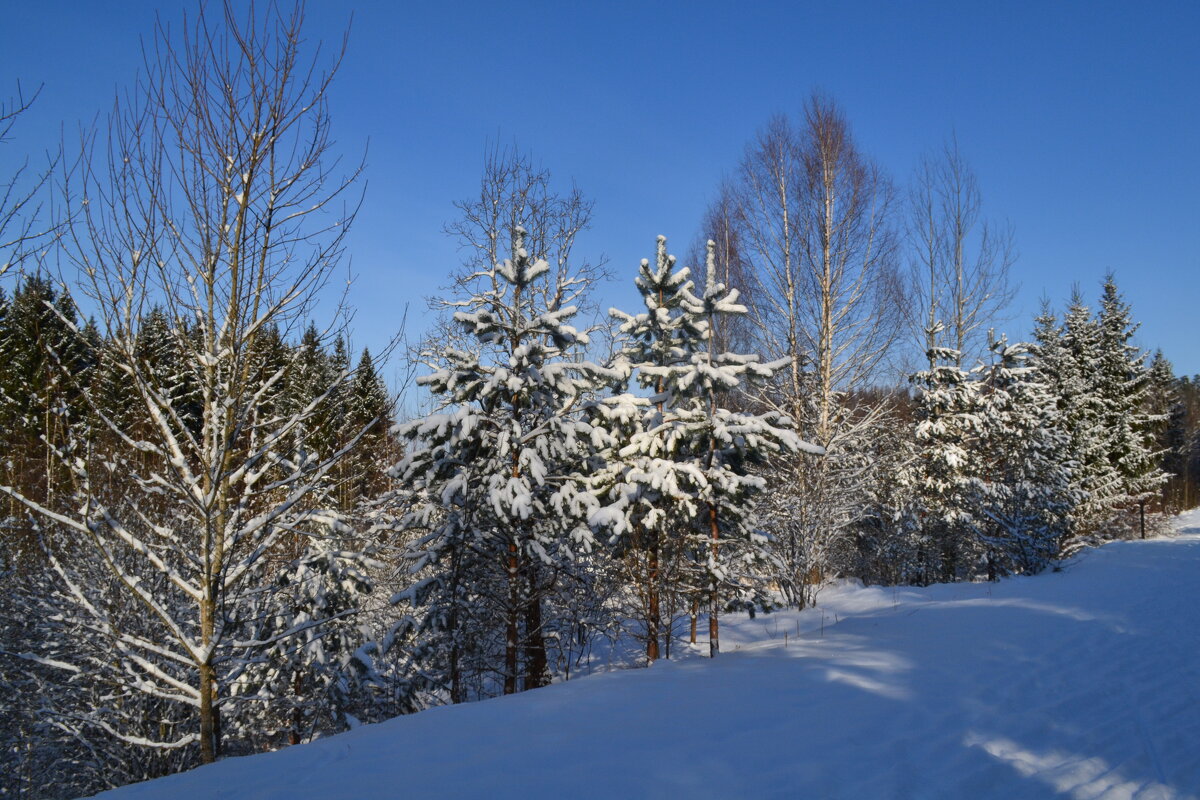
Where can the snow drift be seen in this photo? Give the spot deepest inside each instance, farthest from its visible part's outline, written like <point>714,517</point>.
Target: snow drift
<point>1082,683</point>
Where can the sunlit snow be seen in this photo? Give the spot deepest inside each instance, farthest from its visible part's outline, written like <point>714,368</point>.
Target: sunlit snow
<point>1083,683</point>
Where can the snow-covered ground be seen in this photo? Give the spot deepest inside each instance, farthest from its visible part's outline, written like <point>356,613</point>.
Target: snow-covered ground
<point>1083,683</point>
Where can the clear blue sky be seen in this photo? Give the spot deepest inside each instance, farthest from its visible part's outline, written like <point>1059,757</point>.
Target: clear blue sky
<point>1082,120</point>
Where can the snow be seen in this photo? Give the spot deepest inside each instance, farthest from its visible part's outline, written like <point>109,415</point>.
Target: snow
<point>1083,683</point>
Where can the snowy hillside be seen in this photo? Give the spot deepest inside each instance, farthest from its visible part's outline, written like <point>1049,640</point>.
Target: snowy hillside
<point>1083,683</point>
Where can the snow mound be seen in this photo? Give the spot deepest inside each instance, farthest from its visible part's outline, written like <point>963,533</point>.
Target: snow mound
<point>1083,683</point>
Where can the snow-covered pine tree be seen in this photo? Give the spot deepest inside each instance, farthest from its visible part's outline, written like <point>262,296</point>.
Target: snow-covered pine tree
<point>1047,352</point>
<point>1021,498</point>
<point>498,481</point>
<point>737,440</point>
<point>703,449</point>
<point>947,422</point>
<point>648,494</point>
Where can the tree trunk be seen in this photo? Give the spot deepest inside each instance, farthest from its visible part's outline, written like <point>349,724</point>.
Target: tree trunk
<point>456,689</point>
<point>512,632</point>
<point>714,642</point>
<point>652,620</point>
<point>695,614</point>
<point>210,729</point>
<point>297,712</point>
<point>209,732</point>
<point>652,580</point>
<point>511,636</point>
<point>456,683</point>
<point>537,674</point>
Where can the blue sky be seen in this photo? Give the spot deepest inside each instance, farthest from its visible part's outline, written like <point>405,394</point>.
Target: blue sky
<point>1082,120</point>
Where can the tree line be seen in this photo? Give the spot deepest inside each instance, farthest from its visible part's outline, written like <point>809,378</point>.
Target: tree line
<point>218,538</point>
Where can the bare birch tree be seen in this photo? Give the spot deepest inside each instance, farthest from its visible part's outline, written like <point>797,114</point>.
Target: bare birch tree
<point>23,229</point>
<point>515,193</point>
<point>814,221</point>
<point>959,261</point>
<point>849,249</point>
<point>766,193</point>
<point>217,196</point>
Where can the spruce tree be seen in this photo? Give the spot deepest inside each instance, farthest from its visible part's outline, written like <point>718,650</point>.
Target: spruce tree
<point>1105,393</point>
<point>312,667</point>
<point>311,375</point>
<point>1022,494</point>
<point>947,422</point>
<point>1168,403</point>
<point>1123,384</point>
<point>46,362</point>
<point>1083,407</point>
<point>368,409</point>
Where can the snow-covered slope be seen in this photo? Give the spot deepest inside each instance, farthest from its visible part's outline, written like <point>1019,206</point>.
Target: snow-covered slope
<point>1081,683</point>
